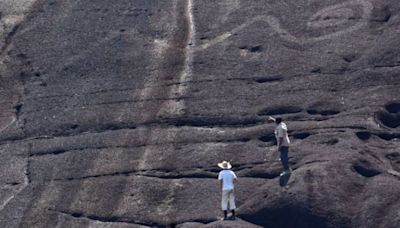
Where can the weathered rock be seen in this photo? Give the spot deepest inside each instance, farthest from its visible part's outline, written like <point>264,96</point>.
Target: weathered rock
<point>115,114</point>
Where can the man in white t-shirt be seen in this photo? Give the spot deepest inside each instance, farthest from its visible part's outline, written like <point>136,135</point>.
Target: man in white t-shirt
<point>282,139</point>
<point>227,178</point>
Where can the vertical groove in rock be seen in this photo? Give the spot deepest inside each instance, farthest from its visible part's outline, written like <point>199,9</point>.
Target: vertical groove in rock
<point>184,41</point>
<point>186,74</point>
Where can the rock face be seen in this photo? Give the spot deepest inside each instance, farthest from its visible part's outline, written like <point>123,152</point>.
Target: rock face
<point>115,113</point>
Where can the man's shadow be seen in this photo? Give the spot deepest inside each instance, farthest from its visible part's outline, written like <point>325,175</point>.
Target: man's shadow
<point>284,179</point>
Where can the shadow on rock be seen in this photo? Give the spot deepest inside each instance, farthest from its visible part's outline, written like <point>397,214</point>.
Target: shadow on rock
<point>293,215</point>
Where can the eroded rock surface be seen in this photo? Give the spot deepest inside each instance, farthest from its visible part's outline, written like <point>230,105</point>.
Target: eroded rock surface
<point>115,113</point>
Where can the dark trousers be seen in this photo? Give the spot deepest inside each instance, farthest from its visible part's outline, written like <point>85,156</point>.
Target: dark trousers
<point>284,150</point>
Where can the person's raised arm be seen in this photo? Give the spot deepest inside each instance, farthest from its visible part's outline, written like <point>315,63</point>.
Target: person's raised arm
<point>270,118</point>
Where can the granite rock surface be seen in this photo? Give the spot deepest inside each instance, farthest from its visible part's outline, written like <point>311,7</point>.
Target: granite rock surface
<point>114,114</point>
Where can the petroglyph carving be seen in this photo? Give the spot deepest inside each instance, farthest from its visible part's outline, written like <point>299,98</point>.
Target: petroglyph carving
<point>4,127</point>
<point>344,16</point>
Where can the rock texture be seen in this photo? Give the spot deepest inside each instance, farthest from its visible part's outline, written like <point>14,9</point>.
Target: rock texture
<point>115,113</point>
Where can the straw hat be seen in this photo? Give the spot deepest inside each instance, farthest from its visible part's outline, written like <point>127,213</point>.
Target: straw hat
<point>225,165</point>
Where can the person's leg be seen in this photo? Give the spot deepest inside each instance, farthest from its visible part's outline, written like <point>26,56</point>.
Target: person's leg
<point>232,203</point>
<point>224,203</point>
<point>284,157</point>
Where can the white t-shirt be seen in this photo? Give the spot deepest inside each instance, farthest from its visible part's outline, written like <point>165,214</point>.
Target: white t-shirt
<point>227,177</point>
<point>281,132</point>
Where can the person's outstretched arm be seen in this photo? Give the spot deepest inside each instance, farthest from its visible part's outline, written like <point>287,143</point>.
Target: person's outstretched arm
<point>270,118</point>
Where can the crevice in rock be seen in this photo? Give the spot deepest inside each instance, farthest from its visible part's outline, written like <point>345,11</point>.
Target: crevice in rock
<point>336,71</point>
<point>391,120</point>
<point>211,122</point>
<point>316,70</point>
<point>246,170</point>
<point>268,79</point>
<point>59,151</point>
<point>97,92</point>
<point>269,138</point>
<point>393,107</point>
<point>243,140</point>
<point>136,101</point>
<point>365,168</point>
<point>394,159</point>
<point>203,221</point>
<point>73,128</point>
<point>69,129</point>
<point>204,122</point>
<point>253,49</point>
<point>145,125</point>
<point>363,135</point>
<point>387,66</point>
<point>301,216</point>
<point>181,175</point>
<point>161,174</point>
<point>381,14</point>
<point>280,110</point>
<point>393,156</point>
<point>316,161</point>
<point>18,108</point>
<point>330,142</point>
<point>63,151</point>
<point>388,136</point>
<point>322,112</point>
<point>350,58</point>
<point>28,171</point>
<point>204,173</point>
<point>258,48</point>
<point>261,175</point>
<point>28,165</point>
<point>125,173</point>
<point>240,166</point>
<point>8,38</point>
<point>107,219</point>
<point>13,183</point>
<point>302,135</point>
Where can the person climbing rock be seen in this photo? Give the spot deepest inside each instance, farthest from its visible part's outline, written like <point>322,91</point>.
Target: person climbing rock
<point>283,142</point>
<point>227,178</point>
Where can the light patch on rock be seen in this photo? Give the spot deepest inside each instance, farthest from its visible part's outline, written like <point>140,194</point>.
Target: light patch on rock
<point>177,107</point>
<point>13,12</point>
<point>7,123</point>
<point>339,14</point>
<point>394,173</point>
<point>229,6</point>
<point>21,187</point>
